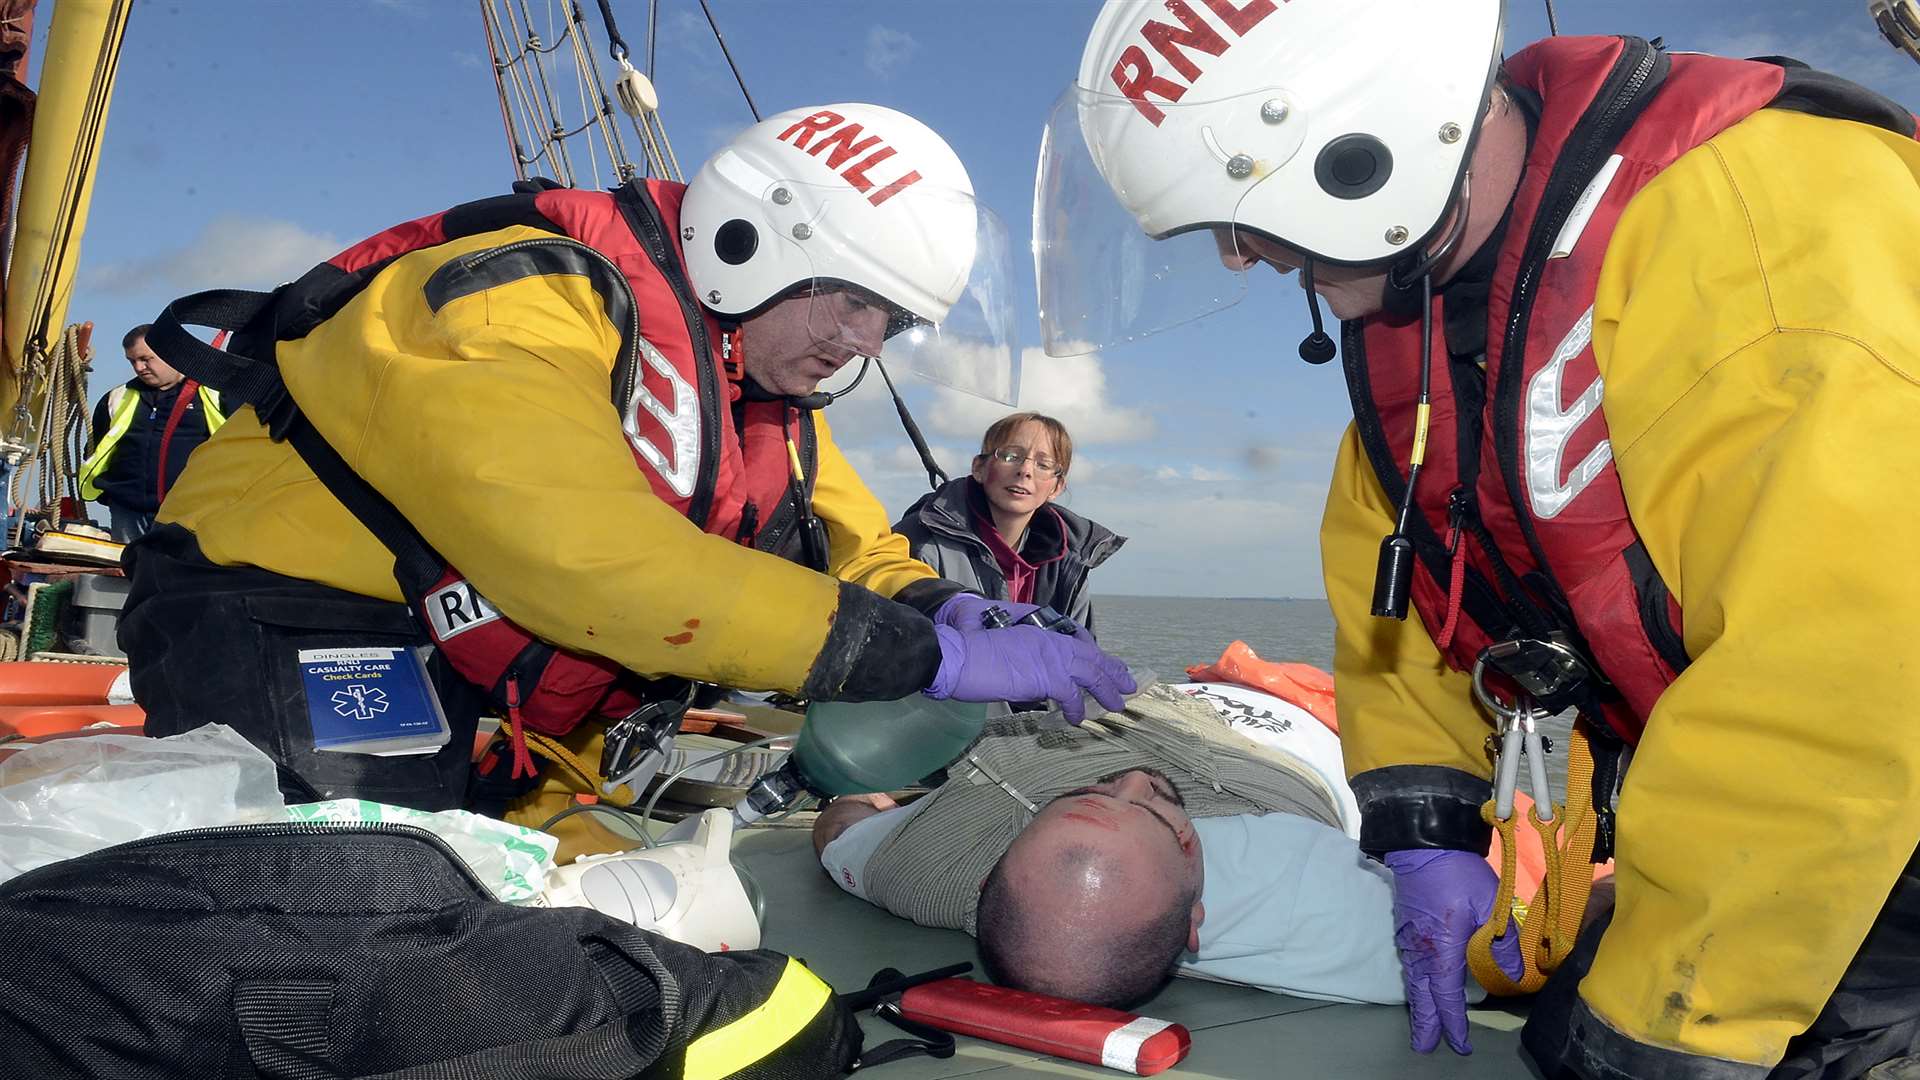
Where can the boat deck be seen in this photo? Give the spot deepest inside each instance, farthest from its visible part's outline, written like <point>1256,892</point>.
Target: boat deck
<point>1238,1033</point>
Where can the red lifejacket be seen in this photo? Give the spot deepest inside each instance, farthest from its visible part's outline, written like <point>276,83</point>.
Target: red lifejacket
<point>1543,525</point>
<point>720,461</point>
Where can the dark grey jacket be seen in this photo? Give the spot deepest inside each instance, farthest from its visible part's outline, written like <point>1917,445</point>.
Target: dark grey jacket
<point>940,528</point>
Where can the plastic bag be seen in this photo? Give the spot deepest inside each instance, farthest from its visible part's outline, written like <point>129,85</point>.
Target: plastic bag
<point>68,797</point>
<point>512,861</point>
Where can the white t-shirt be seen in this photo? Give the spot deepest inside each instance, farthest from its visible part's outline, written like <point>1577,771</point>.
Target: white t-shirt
<point>1288,728</point>
<point>1292,906</point>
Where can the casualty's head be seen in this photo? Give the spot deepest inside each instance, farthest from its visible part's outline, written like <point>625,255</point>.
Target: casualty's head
<point>850,231</point>
<point>147,366</point>
<point>1023,462</point>
<point>1098,896</point>
<point>1254,130</point>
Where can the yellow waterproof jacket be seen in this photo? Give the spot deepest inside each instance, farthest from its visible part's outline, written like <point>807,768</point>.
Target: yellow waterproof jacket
<point>1757,326</point>
<point>489,425</point>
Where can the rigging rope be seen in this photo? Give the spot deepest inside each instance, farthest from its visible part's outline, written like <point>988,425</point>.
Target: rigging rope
<point>616,45</point>
<point>499,84</point>
<point>529,77</point>
<point>728,53</point>
<point>653,33</point>
<point>60,443</point>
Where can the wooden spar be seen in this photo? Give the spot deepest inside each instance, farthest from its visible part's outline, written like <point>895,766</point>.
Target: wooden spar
<point>83,54</point>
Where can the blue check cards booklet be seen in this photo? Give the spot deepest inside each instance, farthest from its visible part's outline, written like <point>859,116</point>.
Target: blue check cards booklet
<point>371,701</point>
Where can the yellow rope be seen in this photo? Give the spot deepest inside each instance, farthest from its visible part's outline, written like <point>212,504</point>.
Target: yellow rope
<point>1552,919</point>
<point>588,777</point>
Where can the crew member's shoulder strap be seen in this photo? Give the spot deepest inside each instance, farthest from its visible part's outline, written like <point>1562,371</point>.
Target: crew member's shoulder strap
<point>244,378</point>
<point>256,381</point>
<point>1821,93</point>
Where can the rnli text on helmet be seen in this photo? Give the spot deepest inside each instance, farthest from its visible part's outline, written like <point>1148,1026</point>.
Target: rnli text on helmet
<point>1133,74</point>
<point>842,141</point>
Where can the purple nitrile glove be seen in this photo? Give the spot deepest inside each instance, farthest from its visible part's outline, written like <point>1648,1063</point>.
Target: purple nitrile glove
<point>967,611</point>
<point>1439,899</point>
<point>1026,663</point>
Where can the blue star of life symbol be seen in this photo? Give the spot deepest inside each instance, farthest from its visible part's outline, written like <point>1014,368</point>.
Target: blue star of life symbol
<point>359,701</point>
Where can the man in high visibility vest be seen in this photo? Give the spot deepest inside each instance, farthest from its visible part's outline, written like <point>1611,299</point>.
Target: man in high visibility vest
<point>142,434</point>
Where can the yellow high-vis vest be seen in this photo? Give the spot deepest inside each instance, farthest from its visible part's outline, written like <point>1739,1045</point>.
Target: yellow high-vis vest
<point>122,406</point>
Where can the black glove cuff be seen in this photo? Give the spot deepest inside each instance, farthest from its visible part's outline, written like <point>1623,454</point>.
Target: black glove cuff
<point>1422,806</point>
<point>876,650</point>
<point>926,595</point>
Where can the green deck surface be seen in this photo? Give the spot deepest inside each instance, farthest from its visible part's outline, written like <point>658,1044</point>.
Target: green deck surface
<point>1238,1033</point>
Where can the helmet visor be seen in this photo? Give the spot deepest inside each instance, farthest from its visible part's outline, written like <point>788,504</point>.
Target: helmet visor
<point>972,348</point>
<point>1103,279</point>
<point>926,286</point>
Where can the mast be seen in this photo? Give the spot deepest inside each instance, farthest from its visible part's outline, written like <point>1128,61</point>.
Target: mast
<point>83,54</point>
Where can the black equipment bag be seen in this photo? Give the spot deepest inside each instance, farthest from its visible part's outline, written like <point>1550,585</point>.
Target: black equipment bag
<point>321,952</point>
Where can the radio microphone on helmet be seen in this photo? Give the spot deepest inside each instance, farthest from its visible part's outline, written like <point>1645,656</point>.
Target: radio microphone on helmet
<point>1317,347</point>
<point>820,399</point>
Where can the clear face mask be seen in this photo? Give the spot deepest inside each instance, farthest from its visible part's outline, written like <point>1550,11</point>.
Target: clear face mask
<point>930,291</point>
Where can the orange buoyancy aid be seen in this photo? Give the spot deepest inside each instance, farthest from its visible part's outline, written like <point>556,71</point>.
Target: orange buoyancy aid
<point>1518,493</point>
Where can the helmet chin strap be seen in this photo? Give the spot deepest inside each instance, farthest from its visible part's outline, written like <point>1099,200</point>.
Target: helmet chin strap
<point>1408,288</point>
<point>1405,276</point>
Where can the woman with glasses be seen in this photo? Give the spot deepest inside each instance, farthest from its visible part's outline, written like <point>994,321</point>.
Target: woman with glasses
<point>997,531</point>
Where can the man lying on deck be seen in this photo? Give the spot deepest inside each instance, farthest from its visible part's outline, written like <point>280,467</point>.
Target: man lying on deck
<point>1164,843</point>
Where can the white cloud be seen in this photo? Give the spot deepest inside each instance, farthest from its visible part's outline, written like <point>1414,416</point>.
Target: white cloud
<point>1852,48</point>
<point>241,252</point>
<point>1193,474</point>
<point>888,50</point>
<point>683,27</point>
<point>1184,541</point>
<point>1072,389</point>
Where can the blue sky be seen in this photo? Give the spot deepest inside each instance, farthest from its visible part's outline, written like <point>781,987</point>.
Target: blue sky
<point>251,138</point>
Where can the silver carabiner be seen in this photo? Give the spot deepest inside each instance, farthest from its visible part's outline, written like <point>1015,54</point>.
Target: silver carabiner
<point>1517,727</point>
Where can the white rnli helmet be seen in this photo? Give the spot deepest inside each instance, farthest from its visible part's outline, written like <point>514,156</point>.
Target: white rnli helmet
<point>1340,128</point>
<point>1899,23</point>
<point>862,197</point>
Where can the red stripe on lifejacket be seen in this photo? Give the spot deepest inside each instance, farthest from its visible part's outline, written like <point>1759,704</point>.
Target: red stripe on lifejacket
<point>410,236</point>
